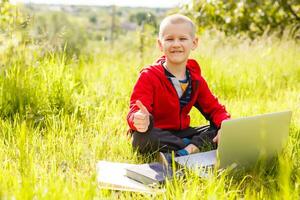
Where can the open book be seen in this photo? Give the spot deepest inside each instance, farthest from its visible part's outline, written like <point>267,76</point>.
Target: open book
<point>112,175</point>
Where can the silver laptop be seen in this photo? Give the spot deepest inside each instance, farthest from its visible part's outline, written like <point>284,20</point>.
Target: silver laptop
<point>244,141</point>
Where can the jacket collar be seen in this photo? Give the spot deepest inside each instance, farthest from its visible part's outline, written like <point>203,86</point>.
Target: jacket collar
<point>191,65</point>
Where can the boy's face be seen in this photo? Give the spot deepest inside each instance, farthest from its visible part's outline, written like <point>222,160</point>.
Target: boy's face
<point>176,42</point>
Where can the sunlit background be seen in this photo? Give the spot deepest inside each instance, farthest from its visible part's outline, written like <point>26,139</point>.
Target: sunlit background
<point>129,3</point>
<point>67,72</point>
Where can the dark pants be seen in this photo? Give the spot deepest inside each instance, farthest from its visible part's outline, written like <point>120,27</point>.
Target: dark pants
<point>167,140</point>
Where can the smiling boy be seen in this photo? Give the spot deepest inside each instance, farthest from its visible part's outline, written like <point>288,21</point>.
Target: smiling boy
<point>166,91</point>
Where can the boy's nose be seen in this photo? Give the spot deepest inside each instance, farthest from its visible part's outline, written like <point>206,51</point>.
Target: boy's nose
<point>176,42</point>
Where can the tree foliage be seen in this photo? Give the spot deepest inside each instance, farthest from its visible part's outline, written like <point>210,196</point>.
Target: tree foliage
<point>10,18</point>
<point>59,33</point>
<point>144,18</point>
<point>51,31</point>
<point>253,17</point>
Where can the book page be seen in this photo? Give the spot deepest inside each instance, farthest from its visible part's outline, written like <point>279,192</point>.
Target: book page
<point>111,175</point>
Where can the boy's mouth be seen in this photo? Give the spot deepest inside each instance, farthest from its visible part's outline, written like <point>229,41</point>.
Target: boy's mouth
<point>176,51</point>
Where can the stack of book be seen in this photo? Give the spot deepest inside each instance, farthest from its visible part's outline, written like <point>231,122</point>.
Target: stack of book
<point>144,178</point>
<point>149,174</point>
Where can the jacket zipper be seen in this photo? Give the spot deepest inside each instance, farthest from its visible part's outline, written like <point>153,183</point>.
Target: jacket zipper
<point>180,109</point>
<point>174,91</point>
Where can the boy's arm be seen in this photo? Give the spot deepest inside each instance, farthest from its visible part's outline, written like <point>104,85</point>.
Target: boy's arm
<point>143,91</point>
<point>209,105</point>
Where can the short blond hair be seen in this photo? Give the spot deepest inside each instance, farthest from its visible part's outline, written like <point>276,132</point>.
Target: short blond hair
<point>176,19</point>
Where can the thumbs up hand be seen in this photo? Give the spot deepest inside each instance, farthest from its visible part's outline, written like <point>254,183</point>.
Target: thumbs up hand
<point>141,119</point>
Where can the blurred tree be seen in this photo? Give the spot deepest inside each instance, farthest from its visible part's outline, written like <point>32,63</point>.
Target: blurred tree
<point>148,26</point>
<point>14,26</point>
<point>10,18</point>
<point>93,19</point>
<point>58,33</point>
<point>113,25</point>
<point>144,18</point>
<point>252,17</point>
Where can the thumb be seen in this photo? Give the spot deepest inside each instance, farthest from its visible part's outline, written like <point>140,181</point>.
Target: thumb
<point>141,107</point>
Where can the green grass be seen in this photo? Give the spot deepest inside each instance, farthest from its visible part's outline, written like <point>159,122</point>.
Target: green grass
<point>58,117</point>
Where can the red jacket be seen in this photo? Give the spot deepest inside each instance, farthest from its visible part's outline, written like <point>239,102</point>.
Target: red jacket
<point>160,98</point>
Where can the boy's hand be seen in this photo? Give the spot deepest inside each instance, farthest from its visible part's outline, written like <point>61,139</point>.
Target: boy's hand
<point>216,139</point>
<point>141,119</point>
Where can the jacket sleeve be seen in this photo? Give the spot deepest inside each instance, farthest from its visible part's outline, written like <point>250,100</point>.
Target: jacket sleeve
<point>143,91</point>
<point>209,105</point>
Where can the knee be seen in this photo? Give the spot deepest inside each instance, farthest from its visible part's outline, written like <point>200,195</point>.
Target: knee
<point>144,142</point>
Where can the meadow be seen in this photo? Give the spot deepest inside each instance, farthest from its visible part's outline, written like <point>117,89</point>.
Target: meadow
<point>60,115</point>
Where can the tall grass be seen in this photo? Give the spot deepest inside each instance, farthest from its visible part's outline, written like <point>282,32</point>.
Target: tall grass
<point>59,117</point>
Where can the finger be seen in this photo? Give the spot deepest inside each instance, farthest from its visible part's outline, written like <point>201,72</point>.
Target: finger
<point>140,116</point>
<point>141,125</point>
<point>141,107</point>
<point>141,128</point>
<point>141,122</point>
<point>215,139</point>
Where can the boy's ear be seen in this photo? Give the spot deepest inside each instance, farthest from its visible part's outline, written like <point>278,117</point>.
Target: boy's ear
<point>159,44</point>
<point>195,43</point>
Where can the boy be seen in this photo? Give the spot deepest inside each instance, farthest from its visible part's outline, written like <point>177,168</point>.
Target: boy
<point>165,93</point>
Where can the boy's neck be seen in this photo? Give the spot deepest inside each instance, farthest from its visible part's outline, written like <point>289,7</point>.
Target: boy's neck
<point>178,71</point>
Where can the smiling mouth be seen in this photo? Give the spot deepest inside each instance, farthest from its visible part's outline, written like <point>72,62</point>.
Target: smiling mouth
<point>176,51</point>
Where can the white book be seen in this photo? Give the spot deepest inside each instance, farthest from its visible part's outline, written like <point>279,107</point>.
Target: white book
<point>112,175</point>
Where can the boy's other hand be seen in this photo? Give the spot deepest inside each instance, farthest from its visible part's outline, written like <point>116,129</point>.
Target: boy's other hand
<point>141,119</point>
<point>216,139</point>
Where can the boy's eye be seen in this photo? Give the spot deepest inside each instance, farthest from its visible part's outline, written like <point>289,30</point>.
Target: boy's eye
<point>182,39</point>
<point>169,39</point>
